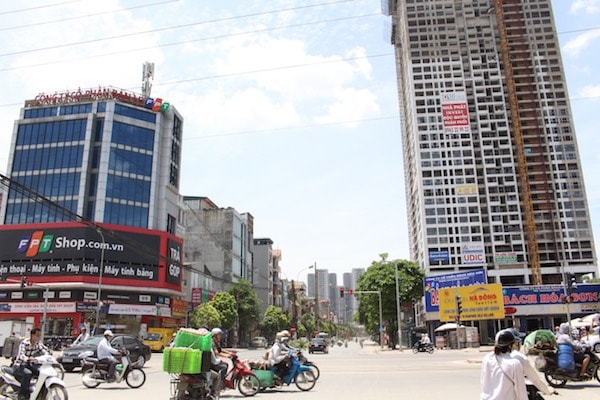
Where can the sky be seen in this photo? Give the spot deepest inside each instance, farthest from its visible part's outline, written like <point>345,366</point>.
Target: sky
<point>290,107</point>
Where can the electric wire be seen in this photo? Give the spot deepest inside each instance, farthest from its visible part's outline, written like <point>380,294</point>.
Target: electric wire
<point>36,24</point>
<point>156,30</point>
<point>38,7</point>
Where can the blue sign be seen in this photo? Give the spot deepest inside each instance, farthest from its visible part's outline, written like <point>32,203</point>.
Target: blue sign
<point>433,284</point>
<point>437,256</point>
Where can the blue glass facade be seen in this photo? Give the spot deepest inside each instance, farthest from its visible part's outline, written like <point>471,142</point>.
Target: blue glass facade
<point>61,158</point>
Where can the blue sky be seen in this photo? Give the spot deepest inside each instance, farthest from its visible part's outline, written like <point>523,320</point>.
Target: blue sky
<point>290,107</point>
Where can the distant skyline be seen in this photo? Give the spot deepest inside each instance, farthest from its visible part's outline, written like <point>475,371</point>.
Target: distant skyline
<point>290,108</point>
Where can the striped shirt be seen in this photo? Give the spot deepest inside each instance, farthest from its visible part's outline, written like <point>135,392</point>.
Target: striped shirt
<point>28,350</point>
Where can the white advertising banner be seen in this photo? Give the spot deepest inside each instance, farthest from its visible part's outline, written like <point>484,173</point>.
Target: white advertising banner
<point>38,307</point>
<point>473,253</point>
<point>139,309</point>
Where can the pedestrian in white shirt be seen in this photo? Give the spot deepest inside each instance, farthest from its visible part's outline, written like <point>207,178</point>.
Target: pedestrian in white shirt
<point>502,376</point>
<point>528,369</point>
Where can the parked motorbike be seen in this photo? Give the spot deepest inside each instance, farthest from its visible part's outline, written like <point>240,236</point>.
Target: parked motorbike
<point>242,377</point>
<point>193,386</point>
<point>94,372</point>
<point>47,385</point>
<point>304,361</point>
<point>423,348</point>
<point>558,377</point>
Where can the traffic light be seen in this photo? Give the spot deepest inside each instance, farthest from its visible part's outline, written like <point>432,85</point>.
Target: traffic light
<point>571,282</point>
<point>23,282</point>
<point>459,308</point>
<point>567,299</point>
<point>341,292</point>
<point>349,291</point>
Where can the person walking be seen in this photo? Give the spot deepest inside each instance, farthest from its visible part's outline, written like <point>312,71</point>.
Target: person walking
<point>502,376</point>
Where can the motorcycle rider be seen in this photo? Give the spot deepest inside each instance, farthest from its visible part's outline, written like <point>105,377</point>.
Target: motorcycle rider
<point>279,356</point>
<point>26,367</point>
<point>528,369</point>
<point>83,335</point>
<point>217,364</point>
<point>424,341</point>
<point>565,339</point>
<point>105,355</point>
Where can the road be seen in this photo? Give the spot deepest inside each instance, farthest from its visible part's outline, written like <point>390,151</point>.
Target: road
<point>350,373</point>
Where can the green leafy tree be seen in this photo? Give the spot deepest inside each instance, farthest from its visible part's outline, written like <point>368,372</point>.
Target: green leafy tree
<point>274,321</point>
<point>205,316</point>
<point>381,276</point>
<point>248,308</point>
<point>307,325</point>
<point>226,305</point>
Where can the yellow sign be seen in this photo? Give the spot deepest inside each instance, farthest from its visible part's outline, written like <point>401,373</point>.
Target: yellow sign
<point>477,302</point>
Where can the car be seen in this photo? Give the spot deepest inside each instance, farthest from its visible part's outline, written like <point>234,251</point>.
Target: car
<point>259,342</point>
<point>71,357</point>
<point>318,344</point>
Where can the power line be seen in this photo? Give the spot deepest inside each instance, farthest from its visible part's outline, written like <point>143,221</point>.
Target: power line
<point>38,7</point>
<point>121,36</point>
<point>184,42</point>
<point>9,28</point>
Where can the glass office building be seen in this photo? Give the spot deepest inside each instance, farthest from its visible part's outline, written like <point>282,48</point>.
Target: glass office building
<point>108,155</point>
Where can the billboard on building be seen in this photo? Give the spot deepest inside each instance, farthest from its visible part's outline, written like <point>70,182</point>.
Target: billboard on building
<point>76,250</point>
<point>455,113</point>
<point>478,302</point>
<point>434,283</point>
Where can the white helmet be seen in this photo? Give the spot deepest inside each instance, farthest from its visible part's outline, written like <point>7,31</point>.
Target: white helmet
<point>216,331</point>
<point>108,332</point>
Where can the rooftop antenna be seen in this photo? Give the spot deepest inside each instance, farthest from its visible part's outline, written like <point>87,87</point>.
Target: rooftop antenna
<point>147,77</point>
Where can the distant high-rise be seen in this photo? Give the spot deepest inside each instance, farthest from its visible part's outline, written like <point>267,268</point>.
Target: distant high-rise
<point>493,174</point>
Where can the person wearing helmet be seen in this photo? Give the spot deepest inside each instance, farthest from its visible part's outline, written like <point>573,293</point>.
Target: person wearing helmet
<point>105,355</point>
<point>217,363</point>
<point>279,356</point>
<point>502,376</point>
<point>528,369</point>
<point>566,343</point>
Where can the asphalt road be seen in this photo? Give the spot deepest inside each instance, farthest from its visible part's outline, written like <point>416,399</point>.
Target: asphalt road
<point>350,373</point>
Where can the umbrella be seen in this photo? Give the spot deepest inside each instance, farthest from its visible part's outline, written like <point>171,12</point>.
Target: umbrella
<point>447,327</point>
<point>542,339</point>
<point>583,322</point>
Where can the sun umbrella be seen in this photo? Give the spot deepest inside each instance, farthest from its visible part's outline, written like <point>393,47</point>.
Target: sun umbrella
<point>542,339</point>
<point>583,322</point>
<point>447,327</point>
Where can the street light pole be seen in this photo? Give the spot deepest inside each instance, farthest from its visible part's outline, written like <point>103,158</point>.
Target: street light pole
<point>398,313</point>
<point>100,280</point>
<point>316,298</point>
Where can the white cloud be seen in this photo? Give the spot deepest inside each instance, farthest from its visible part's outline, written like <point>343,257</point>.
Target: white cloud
<point>351,105</point>
<point>577,45</point>
<point>586,6</point>
<point>590,92</point>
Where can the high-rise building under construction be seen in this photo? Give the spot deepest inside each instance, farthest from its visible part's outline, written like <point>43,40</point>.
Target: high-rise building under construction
<point>492,169</point>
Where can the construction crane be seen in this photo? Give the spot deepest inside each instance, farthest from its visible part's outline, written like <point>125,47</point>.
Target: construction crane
<point>513,103</point>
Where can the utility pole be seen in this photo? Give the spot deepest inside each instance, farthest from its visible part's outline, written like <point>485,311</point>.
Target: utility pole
<point>316,298</point>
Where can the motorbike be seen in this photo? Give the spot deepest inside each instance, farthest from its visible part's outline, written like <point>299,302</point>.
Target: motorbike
<point>558,377</point>
<point>423,348</point>
<point>301,375</point>
<point>304,361</point>
<point>45,386</point>
<point>242,377</point>
<point>193,386</point>
<point>94,372</point>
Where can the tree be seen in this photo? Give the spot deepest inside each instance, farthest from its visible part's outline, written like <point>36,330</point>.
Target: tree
<point>226,305</point>
<point>381,275</point>
<point>274,321</point>
<point>247,308</point>
<point>205,316</point>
